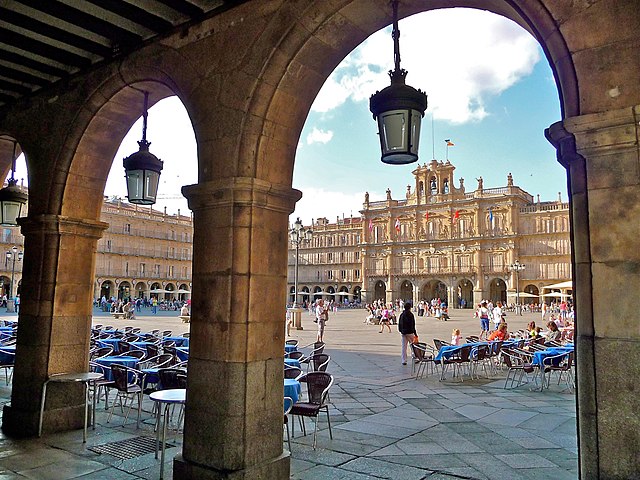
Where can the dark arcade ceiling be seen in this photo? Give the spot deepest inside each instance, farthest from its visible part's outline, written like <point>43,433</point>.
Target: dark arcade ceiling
<point>45,41</point>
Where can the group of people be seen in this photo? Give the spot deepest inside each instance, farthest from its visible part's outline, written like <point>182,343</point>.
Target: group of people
<point>436,308</point>
<point>129,306</point>
<point>489,314</point>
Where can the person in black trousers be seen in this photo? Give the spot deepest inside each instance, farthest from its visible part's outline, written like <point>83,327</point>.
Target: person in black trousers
<point>407,327</point>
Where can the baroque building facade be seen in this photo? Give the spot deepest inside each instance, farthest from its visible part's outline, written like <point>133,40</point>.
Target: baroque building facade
<point>142,253</point>
<point>440,241</point>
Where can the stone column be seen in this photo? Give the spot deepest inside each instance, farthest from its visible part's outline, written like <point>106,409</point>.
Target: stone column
<point>600,152</point>
<point>233,422</point>
<point>55,322</point>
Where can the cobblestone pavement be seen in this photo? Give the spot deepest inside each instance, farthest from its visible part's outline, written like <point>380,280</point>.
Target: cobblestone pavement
<point>385,423</point>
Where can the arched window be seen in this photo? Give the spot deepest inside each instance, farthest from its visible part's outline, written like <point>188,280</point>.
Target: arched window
<point>445,186</point>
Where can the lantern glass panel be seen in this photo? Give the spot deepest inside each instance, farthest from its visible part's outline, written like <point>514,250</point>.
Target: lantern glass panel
<point>393,127</point>
<point>416,121</point>
<point>10,212</point>
<point>152,179</point>
<point>135,185</point>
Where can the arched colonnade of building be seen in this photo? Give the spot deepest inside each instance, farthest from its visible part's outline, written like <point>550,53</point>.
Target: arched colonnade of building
<point>247,78</point>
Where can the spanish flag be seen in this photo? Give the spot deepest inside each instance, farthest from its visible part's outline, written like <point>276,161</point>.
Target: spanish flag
<point>449,142</point>
<point>456,216</point>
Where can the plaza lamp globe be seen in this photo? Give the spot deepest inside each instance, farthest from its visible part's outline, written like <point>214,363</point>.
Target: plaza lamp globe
<point>142,169</point>
<point>12,198</point>
<point>398,109</point>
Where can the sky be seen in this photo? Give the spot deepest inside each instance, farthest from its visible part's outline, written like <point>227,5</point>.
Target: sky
<point>490,91</point>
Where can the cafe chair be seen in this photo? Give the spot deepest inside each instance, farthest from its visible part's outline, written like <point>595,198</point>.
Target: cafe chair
<point>292,372</point>
<point>318,363</point>
<point>317,347</point>
<point>186,335</point>
<point>159,361</point>
<point>136,353</point>
<point>98,326</point>
<point>422,358</point>
<point>479,357</point>
<point>103,383</point>
<point>153,350</point>
<point>172,351</point>
<point>561,364</point>
<point>318,385</point>
<point>294,355</point>
<point>100,352</point>
<point>291,342</point>
<point>127,382</point>
<point>7,360</point>
<point>167,333</point>
<point>171,378</point>
<point>519,363</point>
<point>458,360</point>
<point>288,404</point>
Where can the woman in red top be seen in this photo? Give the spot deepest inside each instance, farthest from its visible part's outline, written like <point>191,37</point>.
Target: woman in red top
<point>500,334</point>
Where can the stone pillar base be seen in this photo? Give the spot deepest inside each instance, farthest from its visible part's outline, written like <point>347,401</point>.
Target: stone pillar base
<point>18,423</point>
<point>296,312</point>
<point>274,469</point>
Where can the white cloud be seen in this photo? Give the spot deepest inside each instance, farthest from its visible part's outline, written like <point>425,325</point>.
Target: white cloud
<point>318,202</point>
<point>319,136</point>
<point>460,57</point>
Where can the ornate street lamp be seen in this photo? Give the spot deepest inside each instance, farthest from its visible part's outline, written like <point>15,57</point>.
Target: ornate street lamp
<point>12,198</point>
<point>298,236</point>
<point>142,169</point>
<point>398,109</point>
<point>12,255</point>
<point>517,267</point>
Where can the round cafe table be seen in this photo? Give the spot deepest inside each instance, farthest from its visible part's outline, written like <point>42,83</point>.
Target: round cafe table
<point>167,398</point>
<point>83,377</point>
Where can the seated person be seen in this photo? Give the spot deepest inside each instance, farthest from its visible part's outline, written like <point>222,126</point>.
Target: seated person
<point>553,335</point>
<point>501,334</point>
<point>184,311</point>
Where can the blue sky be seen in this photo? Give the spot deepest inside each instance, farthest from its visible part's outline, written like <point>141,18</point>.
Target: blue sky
<point>490,91</point>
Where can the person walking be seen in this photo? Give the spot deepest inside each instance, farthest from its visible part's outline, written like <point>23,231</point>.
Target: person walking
<point>322,316</point>
<point>407,327</point>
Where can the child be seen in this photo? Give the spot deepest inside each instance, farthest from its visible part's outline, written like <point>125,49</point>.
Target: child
<point>456,337</point>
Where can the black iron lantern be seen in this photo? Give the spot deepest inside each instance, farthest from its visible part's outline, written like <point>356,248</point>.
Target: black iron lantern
<point>142,169</point>
<point>398,109</point>
<point>12,197</point>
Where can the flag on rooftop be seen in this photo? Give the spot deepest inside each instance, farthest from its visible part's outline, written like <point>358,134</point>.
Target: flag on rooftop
<point>449,142</point>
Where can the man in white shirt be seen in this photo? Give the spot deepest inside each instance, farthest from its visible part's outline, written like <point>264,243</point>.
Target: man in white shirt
<point>321,318</point>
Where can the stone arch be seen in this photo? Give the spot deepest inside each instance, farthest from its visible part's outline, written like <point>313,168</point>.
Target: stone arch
<point>380,291</point>
<point>465,294</point>
<point>498,290</point>
<point>406,291</point>
<point>107,289</point>
<point>434,289</point>
<point>124,290</point>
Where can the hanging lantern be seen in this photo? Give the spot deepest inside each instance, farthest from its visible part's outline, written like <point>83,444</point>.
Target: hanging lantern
<point>398,110</point>
<point>142,169</point>
<point>12,197</point>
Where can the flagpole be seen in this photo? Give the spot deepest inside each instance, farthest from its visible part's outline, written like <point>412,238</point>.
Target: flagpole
<point>433,139</point>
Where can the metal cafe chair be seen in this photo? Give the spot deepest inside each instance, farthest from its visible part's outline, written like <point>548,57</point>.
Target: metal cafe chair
<point>318,385</point>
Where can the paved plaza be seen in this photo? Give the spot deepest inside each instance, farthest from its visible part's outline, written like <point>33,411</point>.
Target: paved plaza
<point>385,423</point>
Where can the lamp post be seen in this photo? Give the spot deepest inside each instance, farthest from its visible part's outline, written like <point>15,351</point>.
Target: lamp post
<point>517,267</point>
<point>12,255</point>
<point>298,236</point>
